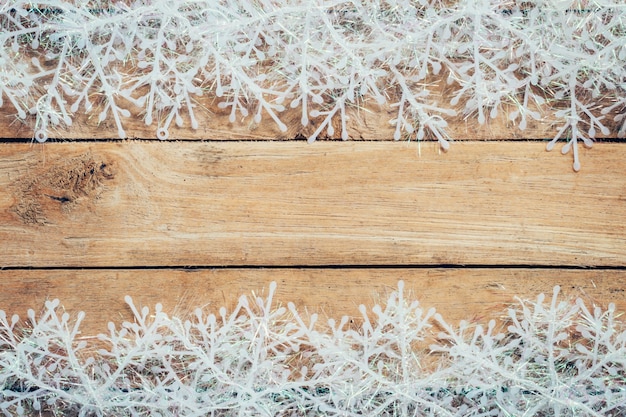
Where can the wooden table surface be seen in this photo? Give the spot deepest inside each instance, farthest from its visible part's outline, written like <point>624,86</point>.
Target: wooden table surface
<point>200,222</point>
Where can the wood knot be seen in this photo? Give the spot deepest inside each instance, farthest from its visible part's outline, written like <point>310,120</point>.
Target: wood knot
<point>60,187</point>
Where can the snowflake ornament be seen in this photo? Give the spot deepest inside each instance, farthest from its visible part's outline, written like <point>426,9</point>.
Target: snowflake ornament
<point>552,357</point>
<point>155,58</point>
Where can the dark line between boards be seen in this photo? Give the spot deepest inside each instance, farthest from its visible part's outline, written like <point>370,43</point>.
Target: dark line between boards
<point>327,266</point>
<point>53,141</point>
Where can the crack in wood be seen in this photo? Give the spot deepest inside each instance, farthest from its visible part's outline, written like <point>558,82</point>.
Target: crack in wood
<point>59,199</point>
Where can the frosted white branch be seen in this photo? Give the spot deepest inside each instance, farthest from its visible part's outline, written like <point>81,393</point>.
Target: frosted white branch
<point>556,357</point>
<point>153,58</point>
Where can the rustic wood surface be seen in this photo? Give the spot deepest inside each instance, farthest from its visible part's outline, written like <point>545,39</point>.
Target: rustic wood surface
<point>467,230</point>
<point>456,293</point>
<point>366,124</point>
<point>130,204</point>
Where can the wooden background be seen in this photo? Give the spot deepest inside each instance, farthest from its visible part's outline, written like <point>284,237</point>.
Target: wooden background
<point>202,221</point>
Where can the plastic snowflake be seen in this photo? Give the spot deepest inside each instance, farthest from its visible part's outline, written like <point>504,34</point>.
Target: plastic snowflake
<point>327,58</point>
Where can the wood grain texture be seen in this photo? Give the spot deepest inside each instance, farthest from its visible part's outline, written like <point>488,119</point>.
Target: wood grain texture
<point>288,203</point>
<point>456,293</point>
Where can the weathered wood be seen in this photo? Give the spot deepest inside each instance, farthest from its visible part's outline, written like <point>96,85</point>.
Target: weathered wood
<point>372,122</point>
<point>458,294</point>
<point>289,203</point>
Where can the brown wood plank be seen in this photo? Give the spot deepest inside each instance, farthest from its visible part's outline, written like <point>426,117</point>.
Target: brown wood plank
<point>372,122</point>
<point>289,203</point>
<point>458,294</point>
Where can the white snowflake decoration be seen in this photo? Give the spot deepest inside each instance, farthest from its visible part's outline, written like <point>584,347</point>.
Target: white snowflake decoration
<point>259,57</point>
<point>558,358</point>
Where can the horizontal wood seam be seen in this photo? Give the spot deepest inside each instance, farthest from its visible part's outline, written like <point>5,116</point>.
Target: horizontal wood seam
<point>307,266</point>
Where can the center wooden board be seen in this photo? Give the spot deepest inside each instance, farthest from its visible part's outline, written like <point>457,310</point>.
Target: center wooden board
<point>146,204</point>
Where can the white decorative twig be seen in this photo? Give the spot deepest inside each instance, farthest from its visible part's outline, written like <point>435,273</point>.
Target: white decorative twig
<point>258,57</point>
<point>556,357</point>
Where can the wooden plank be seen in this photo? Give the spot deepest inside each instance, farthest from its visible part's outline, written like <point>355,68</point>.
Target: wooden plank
<point>371,122</point>
<point>289,203</point>
<point>458,294</point>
